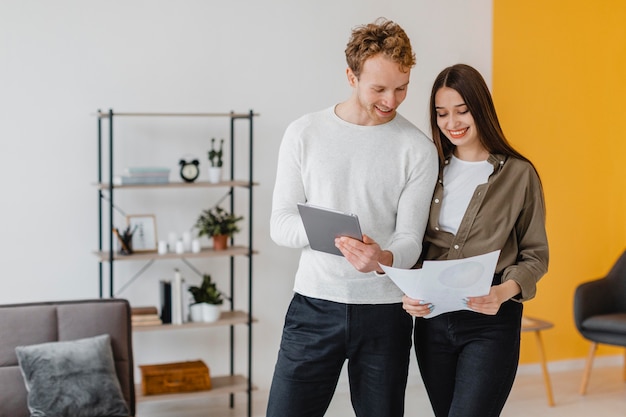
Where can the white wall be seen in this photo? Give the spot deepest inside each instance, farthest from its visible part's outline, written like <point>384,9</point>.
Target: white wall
<point>61,61</point>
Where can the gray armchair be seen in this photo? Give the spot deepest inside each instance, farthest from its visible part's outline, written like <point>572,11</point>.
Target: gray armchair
<point>600,313</point>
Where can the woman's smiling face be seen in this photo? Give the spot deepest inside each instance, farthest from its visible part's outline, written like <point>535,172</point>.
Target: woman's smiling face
<point>455,120</point>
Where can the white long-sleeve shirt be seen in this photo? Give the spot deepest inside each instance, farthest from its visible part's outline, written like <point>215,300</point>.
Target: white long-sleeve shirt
<point>385,174</point>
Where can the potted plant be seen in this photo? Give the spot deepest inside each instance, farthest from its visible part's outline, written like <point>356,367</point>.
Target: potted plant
<point>215,158</point>
<point>218,224</point>
<point>207,301</point>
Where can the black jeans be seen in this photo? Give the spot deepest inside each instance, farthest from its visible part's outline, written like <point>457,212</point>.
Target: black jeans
<point>468,360</point>
<point>319,336</point>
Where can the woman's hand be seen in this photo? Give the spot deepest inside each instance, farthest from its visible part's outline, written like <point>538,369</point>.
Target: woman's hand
<point>364,256</point>
<point>498,294</point>
<point>416,308</point>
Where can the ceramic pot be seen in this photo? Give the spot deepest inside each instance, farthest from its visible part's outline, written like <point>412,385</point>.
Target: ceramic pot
<point>215,174</point>
<point>210,312</point>
<point>195,312</point>
<point>220,242</point>
<point>204,312</point>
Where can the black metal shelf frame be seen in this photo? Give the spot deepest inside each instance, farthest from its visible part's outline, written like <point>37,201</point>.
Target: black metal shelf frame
<point>109,202</point>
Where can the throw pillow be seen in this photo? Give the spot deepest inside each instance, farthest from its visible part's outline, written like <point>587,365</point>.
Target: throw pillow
<point>72,378</point>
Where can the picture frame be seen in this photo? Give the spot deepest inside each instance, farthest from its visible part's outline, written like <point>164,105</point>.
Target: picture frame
<point>144,232</point>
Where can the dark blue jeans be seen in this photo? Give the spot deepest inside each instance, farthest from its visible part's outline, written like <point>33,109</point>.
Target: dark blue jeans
<point>468,360</point>
<point>319,336</point>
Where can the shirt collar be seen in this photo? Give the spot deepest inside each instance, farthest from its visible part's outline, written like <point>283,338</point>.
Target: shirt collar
<point>497,160</point>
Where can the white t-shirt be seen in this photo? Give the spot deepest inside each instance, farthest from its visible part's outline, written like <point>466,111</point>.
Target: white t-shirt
<point>460,179</point>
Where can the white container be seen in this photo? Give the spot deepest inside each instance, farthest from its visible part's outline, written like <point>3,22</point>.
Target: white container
<point>162,247</point>
<point>187,241</point>
<point>172,238</point>
<point>215,174</point>
<point>195,246</point>
<point>210,312</point>
<point>203,312</point>
<point>195,312</point>
<point>180,247</point>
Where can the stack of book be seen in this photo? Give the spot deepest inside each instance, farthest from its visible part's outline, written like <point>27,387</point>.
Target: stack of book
<point>145,316</point>
<point>143,175</point>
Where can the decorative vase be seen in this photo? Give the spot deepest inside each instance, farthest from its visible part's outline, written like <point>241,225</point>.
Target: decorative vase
<point>220,242</point>
<point>215,174</point>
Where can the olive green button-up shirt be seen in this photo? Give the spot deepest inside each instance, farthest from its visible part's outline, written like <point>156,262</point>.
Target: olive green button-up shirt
<point>505,213</point>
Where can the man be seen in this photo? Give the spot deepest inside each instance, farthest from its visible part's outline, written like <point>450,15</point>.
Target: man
<point>359,156</point>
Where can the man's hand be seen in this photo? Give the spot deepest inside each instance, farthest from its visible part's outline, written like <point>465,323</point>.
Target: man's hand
<point>364,256</point>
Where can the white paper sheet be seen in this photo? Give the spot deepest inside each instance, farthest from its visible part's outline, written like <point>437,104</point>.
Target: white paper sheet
<point>446,284</point>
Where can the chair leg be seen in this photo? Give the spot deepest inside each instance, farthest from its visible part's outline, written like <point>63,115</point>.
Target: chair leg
<point>585,381</point>
<point>544,368</point>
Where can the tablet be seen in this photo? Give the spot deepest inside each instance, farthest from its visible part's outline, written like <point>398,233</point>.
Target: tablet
<point>323,225</point>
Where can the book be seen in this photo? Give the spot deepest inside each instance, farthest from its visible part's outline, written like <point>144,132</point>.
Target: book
<point>177,306</point>
<point>144,310</point>
<point>146,171</point>
<point>128,180</point>
<point>156,322</point>
<point>166,301</point>
<point>145,317</point>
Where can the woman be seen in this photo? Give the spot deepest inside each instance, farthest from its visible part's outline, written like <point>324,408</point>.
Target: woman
<point>488,197</point>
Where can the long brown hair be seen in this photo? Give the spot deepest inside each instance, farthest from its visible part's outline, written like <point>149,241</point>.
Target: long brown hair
<point>468,82</point>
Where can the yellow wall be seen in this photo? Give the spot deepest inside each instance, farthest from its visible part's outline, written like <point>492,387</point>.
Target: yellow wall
<point>559,85</point>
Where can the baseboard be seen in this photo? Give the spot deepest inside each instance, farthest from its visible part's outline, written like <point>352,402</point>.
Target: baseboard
<point>571,365</point>
<point>524,369</point>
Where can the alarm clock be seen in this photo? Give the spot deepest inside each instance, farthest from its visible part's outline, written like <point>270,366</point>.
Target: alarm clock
<point>189,170</point>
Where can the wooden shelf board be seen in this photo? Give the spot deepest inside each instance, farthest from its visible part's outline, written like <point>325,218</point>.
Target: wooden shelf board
<point>150,255</point>
<point>221,385</point>
<point>227,318</point>
<point>105,115</point>
<point>180,184</point>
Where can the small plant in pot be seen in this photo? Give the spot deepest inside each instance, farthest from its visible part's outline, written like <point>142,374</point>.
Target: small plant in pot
<point>215,155</point>
<point>218,224</point>
<point>207,300</point>
<point>215,158</point>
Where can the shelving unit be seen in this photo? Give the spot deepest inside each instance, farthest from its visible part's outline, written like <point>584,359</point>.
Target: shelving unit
<point>222,385</point>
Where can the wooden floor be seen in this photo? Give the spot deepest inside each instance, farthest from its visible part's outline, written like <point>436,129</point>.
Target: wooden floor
<point>606,397</point>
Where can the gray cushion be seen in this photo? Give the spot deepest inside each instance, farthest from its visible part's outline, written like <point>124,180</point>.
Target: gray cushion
<point>613,323</point>
<point>72,378</point>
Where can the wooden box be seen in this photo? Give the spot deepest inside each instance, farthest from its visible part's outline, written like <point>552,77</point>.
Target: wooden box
<point>175,377</point>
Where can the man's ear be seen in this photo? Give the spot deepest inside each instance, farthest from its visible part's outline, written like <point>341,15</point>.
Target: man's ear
<point>352,79</point>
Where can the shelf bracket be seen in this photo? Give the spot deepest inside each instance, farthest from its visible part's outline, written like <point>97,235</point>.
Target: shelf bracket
<point>134,277</point>
<point>190,265</point>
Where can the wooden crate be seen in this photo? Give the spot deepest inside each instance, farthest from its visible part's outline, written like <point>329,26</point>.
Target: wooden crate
<point>175,377</point>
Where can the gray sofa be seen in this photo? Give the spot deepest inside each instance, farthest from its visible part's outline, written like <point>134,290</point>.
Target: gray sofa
<point>36,323</point>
